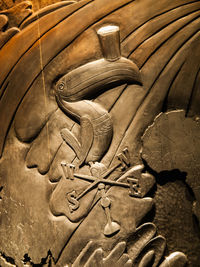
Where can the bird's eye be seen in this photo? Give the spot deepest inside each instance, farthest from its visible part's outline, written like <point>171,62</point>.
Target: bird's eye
<point>61,86</point>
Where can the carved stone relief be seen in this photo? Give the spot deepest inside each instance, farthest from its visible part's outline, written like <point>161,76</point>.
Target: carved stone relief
<point>99,139</point>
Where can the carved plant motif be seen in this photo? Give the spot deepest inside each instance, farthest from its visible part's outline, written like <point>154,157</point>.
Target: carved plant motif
<point>142,249</point>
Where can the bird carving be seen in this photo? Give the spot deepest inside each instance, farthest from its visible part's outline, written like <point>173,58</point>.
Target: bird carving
<point>74,90</point>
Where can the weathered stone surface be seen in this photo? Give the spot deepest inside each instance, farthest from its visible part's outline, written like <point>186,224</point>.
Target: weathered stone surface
<point>80,82</point>
<point>171,149</point>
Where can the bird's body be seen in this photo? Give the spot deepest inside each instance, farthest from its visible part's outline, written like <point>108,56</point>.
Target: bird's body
<point>96,129</point>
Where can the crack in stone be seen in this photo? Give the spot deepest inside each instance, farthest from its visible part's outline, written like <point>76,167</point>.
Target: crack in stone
<point>1,188</point>
<point>7,259</point>
<point>47,261</point>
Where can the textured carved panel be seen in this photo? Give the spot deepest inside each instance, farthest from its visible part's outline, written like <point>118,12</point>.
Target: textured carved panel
<point>90,173</point>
